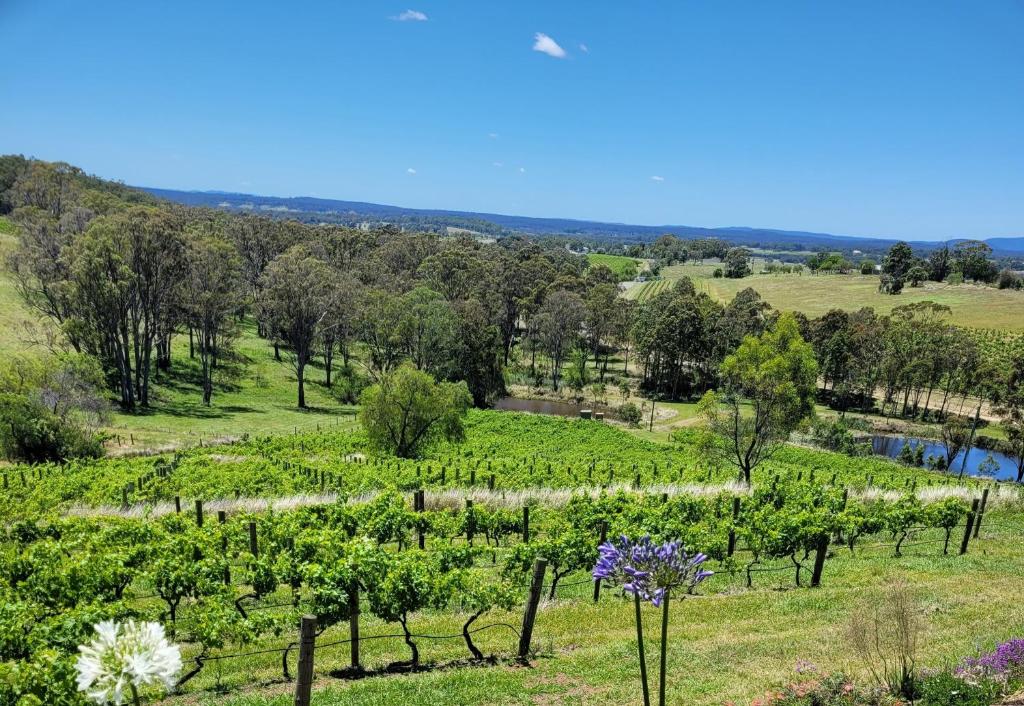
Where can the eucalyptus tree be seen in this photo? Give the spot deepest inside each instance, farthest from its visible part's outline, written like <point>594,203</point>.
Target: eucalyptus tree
<point>560,321</point>
<point>211,293</point>
<point>294,301</point>
<point>126,271</point>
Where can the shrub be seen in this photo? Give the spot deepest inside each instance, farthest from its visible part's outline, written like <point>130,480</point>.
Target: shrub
<point>1008,279</point>
<point>947,689</point>
<point>30,432</point>
<point>630,414</point>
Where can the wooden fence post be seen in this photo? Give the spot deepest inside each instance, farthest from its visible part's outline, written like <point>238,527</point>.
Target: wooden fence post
<point>307,643</point>
<point>540,565</point>
<point>353,628</point>
<point>254,547</point>
<point>199,513</point>
<point>970,525</point>
<point>732,528</point>
<point>981,512</point>
<point>604,538</point>
<point>177,504</point>
<point>819,560</point>
<point>420,507</point>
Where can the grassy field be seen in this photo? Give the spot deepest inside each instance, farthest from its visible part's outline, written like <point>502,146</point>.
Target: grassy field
<point>971,305</point>
<point>255,395</point>
<point>616,263</point>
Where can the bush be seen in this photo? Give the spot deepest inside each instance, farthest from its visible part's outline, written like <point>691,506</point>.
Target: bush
<point>834,436</point>
<point>630,414</point>
<point>947,689</point>
<point>30,432</point>
<point>718,273</point>
<point>1008,279</point>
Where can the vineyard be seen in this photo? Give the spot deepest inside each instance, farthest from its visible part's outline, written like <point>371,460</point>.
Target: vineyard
<point>645,290</point>
<point>413,565</point>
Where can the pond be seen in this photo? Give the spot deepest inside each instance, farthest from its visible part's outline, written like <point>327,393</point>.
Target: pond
<point>554,407</point>
<point>892,445</point>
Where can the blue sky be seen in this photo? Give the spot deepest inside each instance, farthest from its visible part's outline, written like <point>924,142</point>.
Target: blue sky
<point>870,118</point>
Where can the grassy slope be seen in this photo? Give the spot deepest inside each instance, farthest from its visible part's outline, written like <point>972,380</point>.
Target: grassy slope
<point>257,397</point>
<point>12,312</point>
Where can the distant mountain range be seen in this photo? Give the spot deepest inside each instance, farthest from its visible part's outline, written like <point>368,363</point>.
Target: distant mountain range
<point>309,209</point>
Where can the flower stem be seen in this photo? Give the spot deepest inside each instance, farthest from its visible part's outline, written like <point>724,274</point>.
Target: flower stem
<point>664,645</point>
<point>135,695</point>
<point>643,657</point>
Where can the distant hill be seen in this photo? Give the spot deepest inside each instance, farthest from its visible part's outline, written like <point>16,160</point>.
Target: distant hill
<point>309,209</point>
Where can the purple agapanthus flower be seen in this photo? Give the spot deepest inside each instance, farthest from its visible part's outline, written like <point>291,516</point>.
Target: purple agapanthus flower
<point>649,570</point>
<point>1007,657</point>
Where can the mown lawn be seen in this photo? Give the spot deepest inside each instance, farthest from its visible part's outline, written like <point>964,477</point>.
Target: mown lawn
<point>254,394</point>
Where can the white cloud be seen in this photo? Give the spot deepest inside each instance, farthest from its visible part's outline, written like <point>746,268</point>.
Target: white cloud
<point>584,48</point>
<point>545,44</point>
<point>499,164</point>
<point>493,135</point>
<point>410,16</point>
<point>657,178</point>
<point>410,170</point>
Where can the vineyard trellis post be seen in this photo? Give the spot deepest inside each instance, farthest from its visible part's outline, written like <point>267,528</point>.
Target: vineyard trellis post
<point>732,528</point>
<point>199,513</point>
<point>526,524</point>
<point>970,525</point>
<point>304,673</point>
<point>353,627</point>
<point>254,547</point>
<point>540,565</point>
<point>981,512</point>
<point>821,551</point>
<point>604,538</point>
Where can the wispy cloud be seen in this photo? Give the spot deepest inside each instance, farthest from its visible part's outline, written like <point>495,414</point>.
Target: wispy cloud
<point>546,45</point>
<point>410,16</point>
<point>522,170</point>
<point>584,48</point>
<point>499,164</point>
<point>493,135</point>
<point>410,170</point>
<point>657,178</point>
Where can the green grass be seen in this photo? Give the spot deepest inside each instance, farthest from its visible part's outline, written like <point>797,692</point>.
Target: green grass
<point>13,314</point>
<point>971,305</point>
<point>616,263</point>
<point>258,395</point>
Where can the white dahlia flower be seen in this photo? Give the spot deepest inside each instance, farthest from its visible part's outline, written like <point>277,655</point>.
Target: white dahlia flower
<point>124,657</point>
